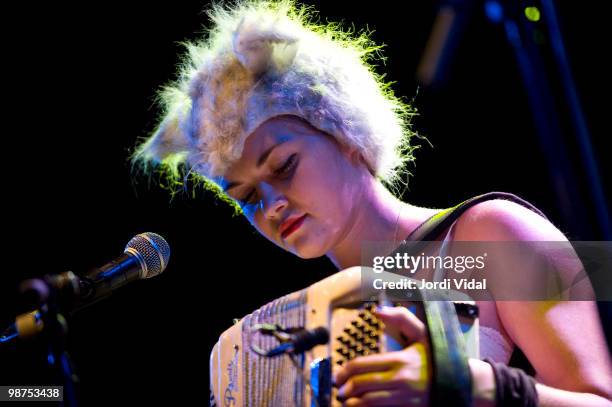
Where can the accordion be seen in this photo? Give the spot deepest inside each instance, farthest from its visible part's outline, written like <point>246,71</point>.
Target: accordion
<point>240,376</point>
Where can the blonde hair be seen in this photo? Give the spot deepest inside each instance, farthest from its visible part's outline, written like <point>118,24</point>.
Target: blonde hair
<point>262,59</point>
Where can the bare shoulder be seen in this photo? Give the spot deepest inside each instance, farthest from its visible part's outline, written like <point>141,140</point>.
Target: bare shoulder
<point>567,355</point>
<point>500,219</point>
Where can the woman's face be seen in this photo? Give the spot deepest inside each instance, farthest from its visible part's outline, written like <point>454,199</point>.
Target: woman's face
<point>296,185</point>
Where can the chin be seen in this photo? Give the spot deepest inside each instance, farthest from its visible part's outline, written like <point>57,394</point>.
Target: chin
<point>308,250</point>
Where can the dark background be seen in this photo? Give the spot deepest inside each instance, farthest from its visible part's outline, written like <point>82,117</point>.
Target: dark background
<point>79,93</point>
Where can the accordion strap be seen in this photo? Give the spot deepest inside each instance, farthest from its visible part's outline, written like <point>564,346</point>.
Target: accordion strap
<point>452,380</point>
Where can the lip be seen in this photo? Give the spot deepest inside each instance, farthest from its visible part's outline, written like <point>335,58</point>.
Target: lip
<point>290,225</point>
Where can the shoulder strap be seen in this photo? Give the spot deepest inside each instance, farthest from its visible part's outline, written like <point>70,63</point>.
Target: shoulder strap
<point>435,225</point>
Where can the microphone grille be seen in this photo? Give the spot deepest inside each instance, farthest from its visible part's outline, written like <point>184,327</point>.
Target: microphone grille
<point>152,250</point>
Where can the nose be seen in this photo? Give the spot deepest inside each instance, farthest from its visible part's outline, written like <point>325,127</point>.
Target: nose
<point>273,201</point>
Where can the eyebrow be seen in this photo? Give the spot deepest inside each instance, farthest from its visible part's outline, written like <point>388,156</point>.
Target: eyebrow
<point>262,159</point>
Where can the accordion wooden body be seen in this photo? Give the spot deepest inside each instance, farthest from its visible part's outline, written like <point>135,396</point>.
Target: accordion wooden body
<point>241,377</point>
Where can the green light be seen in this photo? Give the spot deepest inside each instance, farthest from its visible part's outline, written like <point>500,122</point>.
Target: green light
<point>532,14</point>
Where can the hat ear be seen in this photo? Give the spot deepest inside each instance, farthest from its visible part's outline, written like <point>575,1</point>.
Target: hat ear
<point>169,138</point>
<point>262,45</point>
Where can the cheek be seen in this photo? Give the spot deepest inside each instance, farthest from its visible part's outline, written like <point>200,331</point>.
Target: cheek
<point>325,189</point>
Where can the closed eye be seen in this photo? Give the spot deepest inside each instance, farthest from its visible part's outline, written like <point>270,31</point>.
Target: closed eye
<point>284,170</point>
<point>287,166</point>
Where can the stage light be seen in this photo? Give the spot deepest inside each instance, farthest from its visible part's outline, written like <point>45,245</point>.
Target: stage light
<point>532,14</point>
<point>494,11</point>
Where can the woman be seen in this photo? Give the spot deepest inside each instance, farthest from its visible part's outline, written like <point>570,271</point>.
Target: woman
<point>287,119</point>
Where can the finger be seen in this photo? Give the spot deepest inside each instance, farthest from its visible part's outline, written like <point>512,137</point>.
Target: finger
<point>387,398</point>
<point>366,382</point>
<point>364,364</point>
<point>408,323</point>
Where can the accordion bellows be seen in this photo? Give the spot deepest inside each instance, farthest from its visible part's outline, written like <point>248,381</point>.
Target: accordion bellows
<point>241,377</point>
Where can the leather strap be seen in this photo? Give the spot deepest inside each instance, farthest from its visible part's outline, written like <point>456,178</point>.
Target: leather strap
<point>452,379</point>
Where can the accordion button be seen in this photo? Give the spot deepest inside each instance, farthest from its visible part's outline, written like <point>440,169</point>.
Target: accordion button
<point>352,332</point>
<point>358,324</point>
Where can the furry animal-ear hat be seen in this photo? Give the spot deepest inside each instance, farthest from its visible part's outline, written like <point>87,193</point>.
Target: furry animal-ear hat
<point>262,59</point>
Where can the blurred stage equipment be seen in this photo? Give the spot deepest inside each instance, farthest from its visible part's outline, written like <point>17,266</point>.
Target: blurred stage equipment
<point>534,35</point>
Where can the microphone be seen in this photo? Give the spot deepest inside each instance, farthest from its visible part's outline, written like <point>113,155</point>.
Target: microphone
<point>293,340</point>
<point>146,255</point>
<point>306,339</point>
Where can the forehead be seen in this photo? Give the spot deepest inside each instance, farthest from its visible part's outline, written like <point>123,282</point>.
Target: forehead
<point>271,132</point>
<point>267,134</point>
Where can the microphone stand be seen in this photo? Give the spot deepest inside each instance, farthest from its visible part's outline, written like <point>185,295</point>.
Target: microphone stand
<point>52,292</point>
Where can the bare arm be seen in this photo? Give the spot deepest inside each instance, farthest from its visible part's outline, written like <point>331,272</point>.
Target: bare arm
<point>563,340</point>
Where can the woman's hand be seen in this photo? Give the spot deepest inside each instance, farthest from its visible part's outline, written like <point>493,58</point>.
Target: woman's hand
<point>399,378</point>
